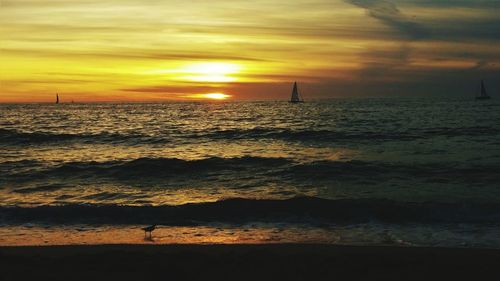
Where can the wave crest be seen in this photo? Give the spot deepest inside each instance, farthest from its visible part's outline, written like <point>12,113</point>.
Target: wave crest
<point>332,135</point>
<point>308,210</point>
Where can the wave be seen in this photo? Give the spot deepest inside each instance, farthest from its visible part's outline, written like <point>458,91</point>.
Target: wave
<point>15,137</point>
<point>306,135</point>
<point>40,188</point>
<point>326,169</point>
<point>307,210</point>
<point>360,136</point>
<point>285,169</point>
<point>144,167</point>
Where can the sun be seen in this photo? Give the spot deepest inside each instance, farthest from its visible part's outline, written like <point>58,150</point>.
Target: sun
<point>216,96</point>
<point>211,96</point>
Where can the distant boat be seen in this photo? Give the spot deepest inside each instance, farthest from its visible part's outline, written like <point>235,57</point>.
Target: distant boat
<point>57,98</point>
<point>483,95</point>
<point>295,94</point>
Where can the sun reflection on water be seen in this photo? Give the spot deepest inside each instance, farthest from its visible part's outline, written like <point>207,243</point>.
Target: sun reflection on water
<point>85,234</point>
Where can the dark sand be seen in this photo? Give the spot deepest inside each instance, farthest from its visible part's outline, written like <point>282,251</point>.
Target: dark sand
<point>246,262</point>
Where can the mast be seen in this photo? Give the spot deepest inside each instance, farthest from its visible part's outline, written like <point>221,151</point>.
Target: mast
<point>57,98</point>
<point>483,90</point>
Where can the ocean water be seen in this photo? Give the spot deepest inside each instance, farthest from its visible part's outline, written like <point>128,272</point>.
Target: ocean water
<point>418,172</point>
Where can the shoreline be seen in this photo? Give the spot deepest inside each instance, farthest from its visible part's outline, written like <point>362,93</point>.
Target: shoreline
<point>245,262</point>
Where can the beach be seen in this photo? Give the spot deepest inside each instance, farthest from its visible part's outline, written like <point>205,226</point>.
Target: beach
<point>246,262</point>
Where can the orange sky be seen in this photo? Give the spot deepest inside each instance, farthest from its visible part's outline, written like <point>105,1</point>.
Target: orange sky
<point>150,50</point>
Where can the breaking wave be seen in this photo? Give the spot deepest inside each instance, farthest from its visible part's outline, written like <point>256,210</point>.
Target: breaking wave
<point>308,210</point>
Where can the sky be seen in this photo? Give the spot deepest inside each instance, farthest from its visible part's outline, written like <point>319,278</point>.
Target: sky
<point>153,50</point>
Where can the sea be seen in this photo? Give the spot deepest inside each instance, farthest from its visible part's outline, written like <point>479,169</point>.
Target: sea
<point>417,172</point>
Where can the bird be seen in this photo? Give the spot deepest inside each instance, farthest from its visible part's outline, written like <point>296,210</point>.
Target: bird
<point>149,229</point>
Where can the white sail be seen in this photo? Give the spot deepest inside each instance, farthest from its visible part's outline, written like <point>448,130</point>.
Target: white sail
<point>483,90</point>
<point>295,94</point>
<point>483,95</point>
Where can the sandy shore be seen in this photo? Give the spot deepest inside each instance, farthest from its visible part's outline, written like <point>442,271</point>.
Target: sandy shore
<point>246,262</point>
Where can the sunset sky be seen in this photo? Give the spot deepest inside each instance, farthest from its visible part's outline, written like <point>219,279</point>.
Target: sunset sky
<point>153,50</point>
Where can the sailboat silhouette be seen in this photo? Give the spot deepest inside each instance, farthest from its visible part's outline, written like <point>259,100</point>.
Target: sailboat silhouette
<point>295,94</point>
<point>57,98</point>
<point>483,95</point>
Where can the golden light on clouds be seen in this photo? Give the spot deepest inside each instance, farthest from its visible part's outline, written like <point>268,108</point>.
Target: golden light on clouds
<point>211,72</point>
<point>214,72</point>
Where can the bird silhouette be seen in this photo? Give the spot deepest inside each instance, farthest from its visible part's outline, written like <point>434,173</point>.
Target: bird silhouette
<point>149,229</point>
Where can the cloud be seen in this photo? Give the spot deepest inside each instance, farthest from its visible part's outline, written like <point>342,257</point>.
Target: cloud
<point>380,64</point>
<point>388,13</point>
<point>123,53</point>
<point>454,3</point>
<point>480,65</point>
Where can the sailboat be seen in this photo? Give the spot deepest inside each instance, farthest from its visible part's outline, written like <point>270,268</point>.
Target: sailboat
<point>57,98</point>
<point>295,94</point>
<point>483,95</point>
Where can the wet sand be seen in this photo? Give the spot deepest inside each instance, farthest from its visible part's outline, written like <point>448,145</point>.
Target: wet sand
<point>246,262</point>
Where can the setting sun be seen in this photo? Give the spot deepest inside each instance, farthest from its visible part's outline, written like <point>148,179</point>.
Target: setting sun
<point>213,96</point>
<point>217,96</point>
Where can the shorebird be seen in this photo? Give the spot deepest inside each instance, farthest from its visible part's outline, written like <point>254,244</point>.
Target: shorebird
<point>149,229</point>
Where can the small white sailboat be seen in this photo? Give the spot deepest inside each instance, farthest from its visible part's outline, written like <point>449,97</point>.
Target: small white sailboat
<point>483,95</point>
<point>296,98</point>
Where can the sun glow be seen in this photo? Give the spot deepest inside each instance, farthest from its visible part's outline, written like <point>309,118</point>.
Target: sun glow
<point>213,96</point>
<point>217,96</point>
<point>221,72</point>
